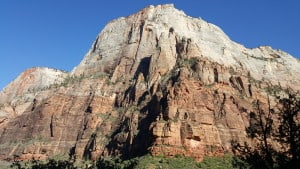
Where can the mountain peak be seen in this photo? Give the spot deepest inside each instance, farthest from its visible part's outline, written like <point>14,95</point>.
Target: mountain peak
<point>29,82</point>
<point>163,27</point>
<point>146,28</point>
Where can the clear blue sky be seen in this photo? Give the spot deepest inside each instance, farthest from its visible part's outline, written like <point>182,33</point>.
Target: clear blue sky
<point>58,33</point>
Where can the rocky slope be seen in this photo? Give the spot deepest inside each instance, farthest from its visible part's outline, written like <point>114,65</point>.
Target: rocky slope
<point>30,85</point>
<point>157,82</point>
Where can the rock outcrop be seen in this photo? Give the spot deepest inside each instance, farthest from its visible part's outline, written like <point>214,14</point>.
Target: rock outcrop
<point>157,82</point>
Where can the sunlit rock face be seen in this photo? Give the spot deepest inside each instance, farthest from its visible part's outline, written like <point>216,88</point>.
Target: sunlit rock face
<point>157,81</point>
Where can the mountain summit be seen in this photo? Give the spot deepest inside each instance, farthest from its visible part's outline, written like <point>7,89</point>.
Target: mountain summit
<point>157,81</point>
<point>163,27</point>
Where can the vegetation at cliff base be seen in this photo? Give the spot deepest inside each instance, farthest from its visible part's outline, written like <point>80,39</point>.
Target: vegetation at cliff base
<point>144,162</point>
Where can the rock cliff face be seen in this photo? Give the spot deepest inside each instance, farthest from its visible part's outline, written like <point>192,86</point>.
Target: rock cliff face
<point>156,82</point>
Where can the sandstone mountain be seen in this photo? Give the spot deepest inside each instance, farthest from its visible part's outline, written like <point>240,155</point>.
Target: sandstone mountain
<point>157,82</point>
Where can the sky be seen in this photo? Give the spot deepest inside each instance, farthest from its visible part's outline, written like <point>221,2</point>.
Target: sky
<point>58,33</point>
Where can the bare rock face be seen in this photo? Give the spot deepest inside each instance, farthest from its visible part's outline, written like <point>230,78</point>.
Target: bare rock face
<point>156,82</point>
<point>19,94</point>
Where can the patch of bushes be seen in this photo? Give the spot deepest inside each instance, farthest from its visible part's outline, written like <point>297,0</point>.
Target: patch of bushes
<point>274,90</point>
<point>225,162</point>
<point>191,62</point>
<point>72,79</point>
<point>144,162</point>
<point>180,162</point>
<point>49,164</point>
<point>116,163</point>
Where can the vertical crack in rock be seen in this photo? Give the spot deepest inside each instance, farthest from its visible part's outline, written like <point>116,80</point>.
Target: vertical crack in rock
<point>51,126</point>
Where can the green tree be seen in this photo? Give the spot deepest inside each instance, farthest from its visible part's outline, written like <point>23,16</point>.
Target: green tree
<point>287,133</point>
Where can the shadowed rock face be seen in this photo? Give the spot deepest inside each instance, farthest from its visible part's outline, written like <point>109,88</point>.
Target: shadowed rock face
<point>157,81</point>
